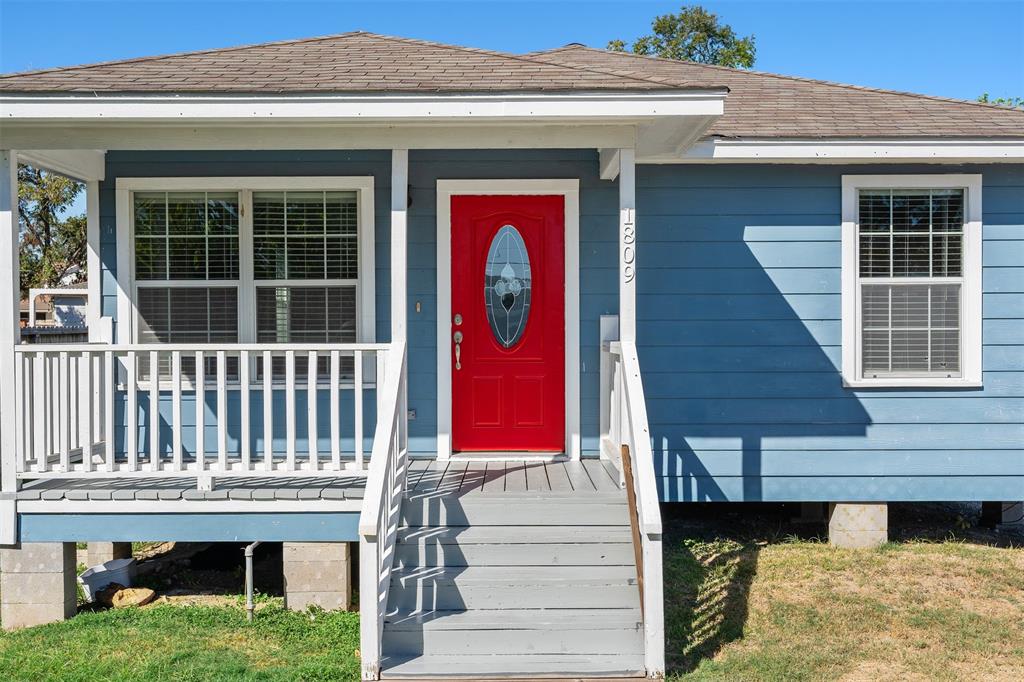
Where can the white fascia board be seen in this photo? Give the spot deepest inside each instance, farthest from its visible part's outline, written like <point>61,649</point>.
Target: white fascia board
<point>390,108</point>
<point>847,151</point>
<point>77,164</point>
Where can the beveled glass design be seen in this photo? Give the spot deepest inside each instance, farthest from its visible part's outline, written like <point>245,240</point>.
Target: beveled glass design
<point>507,286</point>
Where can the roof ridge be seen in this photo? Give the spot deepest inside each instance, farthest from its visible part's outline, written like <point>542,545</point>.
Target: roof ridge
<point>525,58</point>
<point>802,79</point>
<point>187,53</point>
<point>336,36</point>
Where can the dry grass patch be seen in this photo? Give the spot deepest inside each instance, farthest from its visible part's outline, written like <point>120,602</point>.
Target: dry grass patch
<point>805,610</point>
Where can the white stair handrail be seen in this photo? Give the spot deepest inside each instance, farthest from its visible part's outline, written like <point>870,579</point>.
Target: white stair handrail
<point>627,425</point>
<point>382,503</point>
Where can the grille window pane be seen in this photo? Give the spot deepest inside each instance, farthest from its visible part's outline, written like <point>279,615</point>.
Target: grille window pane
<point>910,329</point>
<point>186,235</point>
<point>305,235</point>
<point>910,233</point>
<point>300,314</point>
<point>188,315</point>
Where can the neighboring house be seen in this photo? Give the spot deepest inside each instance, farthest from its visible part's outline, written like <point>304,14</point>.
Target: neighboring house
<point>427,294</point>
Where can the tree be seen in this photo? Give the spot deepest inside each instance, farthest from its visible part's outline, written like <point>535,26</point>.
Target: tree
<point>53,245</point>
<point>1016,102</point>
<point>693,35</point>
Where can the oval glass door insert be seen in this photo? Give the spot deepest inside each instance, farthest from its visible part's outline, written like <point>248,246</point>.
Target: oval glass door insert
<point>507,286</point>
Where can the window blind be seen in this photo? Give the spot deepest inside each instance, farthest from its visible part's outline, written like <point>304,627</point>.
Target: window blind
<point>305,235</point>
<point>306,314</point>
<point>910,323</point>
<point>186,235</point>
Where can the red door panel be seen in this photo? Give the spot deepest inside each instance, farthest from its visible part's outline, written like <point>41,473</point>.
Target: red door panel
<point>508,297</point>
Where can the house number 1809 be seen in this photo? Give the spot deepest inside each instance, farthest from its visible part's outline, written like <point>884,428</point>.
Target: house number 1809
<point>628,249</point>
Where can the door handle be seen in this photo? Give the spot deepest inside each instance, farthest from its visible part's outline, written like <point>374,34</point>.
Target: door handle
<point>457,338</point>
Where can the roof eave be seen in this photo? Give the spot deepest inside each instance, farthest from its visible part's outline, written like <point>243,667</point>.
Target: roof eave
<point>849,150</point>
<point>420,107</point>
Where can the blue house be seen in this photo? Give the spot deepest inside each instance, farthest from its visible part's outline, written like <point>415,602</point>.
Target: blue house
<point>482,313</point>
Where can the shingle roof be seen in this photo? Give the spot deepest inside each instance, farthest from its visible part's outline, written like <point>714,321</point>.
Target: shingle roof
<point>350,62</point>
<point>766,105</point>
<point>759,105</point>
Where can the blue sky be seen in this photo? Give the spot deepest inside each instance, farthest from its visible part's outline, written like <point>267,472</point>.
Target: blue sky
<point>953,49</point>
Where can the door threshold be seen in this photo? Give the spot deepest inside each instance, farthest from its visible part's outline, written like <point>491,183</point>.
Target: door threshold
<point>508,456</point>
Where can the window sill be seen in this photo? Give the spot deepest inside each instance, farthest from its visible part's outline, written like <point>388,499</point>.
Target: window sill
<point>897,382</point>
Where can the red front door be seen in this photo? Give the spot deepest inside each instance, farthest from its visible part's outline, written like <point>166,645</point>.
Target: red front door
<point>508,323</point>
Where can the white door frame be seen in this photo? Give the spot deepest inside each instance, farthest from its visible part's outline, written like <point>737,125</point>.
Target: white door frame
<point>570,190</point>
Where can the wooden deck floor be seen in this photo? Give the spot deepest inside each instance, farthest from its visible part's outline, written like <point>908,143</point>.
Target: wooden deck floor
<point>426,479</point>
<point>500,478</point>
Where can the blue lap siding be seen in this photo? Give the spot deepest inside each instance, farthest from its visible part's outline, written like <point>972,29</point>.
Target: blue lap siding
<point>738,322</point>
<point>739,333</point>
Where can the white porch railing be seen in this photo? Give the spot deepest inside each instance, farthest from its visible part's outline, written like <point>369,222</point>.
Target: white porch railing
<point>625,424</point>
<point>382,507</point>
<point>95,410</point>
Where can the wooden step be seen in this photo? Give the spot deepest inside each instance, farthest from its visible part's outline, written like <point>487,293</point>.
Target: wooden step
<point>501,587</point>
<point>496,641</point>
<point>526,632</point>
<point>487,535</point>
<point>514,546</point>
<point>519,619</point>
<point>537,666</point>
<point>426,553</point>
<point>492,512</point>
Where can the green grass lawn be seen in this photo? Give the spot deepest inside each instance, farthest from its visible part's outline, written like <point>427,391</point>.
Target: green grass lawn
<point>742,603</point>
<point>167,642</point>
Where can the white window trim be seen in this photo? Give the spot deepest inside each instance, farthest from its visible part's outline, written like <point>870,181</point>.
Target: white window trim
<point>971,295</point>
<point>127,310</point>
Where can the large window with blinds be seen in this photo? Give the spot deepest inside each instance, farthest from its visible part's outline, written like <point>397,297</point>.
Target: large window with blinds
<point>915,316</point>
<point>306,257</point>
<point>186,269</point>
<point>264,260</point>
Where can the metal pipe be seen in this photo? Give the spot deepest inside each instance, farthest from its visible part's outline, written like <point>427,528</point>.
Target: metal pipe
<point>249,605</point>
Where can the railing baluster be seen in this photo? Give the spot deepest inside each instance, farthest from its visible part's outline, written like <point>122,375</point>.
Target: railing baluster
<point>64,415</point>
<point>222,411</point>
<point>131,412</point>
<point>335,410</point>
<point>97,398</point>
<point>357,398</point>
<point>39,454</point>
<point>154,410</point>
<point>24,412</point>
<point>268,411</point>
<point>176,447</point>
<point>46,395</point>
<point>200,413</point>
<point>243,387</point>
<point>110,380</point>
<point>87,406</point>
<point>73,417</point>
<point>289,393</point>
<point>311,396</point>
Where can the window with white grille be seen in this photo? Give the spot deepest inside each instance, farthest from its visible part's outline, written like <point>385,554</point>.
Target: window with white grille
<point>911,311</point>
<point>306,262</point>
<point>186,270</point>
<point>265,260</point>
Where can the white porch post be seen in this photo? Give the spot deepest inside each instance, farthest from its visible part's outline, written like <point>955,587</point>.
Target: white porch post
<point>399,208</point>
<point>94,308</point>
<point>627,245</point>
<point>10,331</point>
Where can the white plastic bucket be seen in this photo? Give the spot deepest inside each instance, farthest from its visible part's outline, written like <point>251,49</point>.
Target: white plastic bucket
<point>94,579</point>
